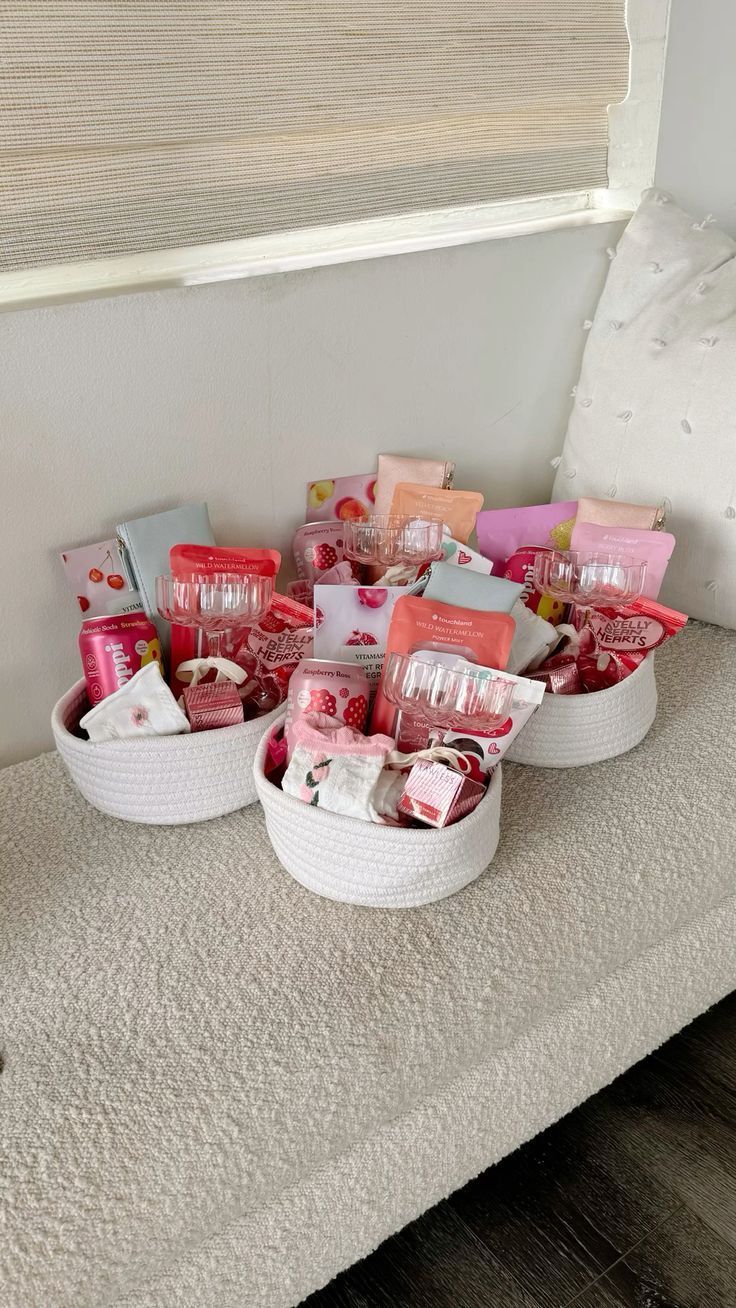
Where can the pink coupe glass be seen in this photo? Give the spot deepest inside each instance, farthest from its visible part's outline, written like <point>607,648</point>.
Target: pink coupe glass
<point>459,697</point>
<point>222,605</point>
<point>589,580</point>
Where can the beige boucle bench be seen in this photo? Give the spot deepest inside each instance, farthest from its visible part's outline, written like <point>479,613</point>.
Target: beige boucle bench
<point>218,1089</point>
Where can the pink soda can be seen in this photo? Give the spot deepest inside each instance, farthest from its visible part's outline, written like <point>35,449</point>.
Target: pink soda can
<point>341,690</point>
<point>318,546</point>
<point>113,649</point>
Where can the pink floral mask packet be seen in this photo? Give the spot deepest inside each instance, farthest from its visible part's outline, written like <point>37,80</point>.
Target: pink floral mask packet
<point>503,531</point>
<point>651,547</point>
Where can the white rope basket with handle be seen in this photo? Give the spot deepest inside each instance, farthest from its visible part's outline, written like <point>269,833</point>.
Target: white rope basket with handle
<point>367,863</point>
<point>570,731</point>
<point>161,780</point>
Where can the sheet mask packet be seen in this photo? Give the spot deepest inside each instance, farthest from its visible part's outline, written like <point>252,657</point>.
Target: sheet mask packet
<point>503,531</point>
<point>343,499</point>
<point>97,578</point>
<point>437,796</point>
<point>212,705</point>
<point>651,547</point>
<point>471,590</point>
<point>187,561</point>
<point>456,509</point>
<point>484,749</point>
<point>461,556</point>
<point>395,468</point>
<point>351,625</point>
<point>617,513</point>
<point>144,706</point>
<point>421,624</point>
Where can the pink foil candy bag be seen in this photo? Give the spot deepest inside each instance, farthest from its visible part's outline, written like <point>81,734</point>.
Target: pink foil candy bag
<point>613,642</point>
<point>501,532</point>
<point>651,547</point>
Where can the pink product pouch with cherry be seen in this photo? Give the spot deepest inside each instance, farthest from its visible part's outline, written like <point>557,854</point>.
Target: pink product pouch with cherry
<point>351,624</point>
<point>96,577</point>
<point>341,499</point>
<point>651,547</point>
<point>483,750</point>
<point>503,531</point>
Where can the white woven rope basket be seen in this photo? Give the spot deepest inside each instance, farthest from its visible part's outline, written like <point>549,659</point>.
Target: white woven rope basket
<point>569,731</point>
<point>378,866</point>
<point>162,780</point>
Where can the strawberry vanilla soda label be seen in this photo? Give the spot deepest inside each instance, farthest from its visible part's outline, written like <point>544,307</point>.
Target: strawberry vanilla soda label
<point>114,649</point>
<point>321,686</point>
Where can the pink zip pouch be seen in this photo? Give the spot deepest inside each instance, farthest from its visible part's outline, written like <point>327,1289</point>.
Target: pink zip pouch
<point>616,513</point>
<point>393,468</point>
<point>503,531</point>
<point>651,547</point>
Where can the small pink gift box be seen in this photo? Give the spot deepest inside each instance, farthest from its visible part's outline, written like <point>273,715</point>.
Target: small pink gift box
<point>213,704</point>
<point>438,795</point>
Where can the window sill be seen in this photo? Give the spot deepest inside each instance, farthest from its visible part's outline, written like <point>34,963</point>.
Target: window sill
<point>309,248</point>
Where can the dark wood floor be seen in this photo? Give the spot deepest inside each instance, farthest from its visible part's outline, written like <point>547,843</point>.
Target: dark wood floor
<point>631,1200</point>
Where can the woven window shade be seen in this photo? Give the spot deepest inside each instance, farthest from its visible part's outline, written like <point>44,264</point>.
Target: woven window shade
<point>132,125</point>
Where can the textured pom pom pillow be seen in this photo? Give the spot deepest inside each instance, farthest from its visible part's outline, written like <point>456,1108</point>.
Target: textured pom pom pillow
<point>654,416</point>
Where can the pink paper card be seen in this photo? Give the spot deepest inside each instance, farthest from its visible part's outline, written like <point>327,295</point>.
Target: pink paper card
<point>341,499</point>
<point>351,624</point>
<point>96,577</point>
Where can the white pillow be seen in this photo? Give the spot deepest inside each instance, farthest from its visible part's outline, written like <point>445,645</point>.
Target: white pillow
<point>654,417</point>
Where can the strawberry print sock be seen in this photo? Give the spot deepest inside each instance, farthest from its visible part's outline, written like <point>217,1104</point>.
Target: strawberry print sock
<point>335,767</point>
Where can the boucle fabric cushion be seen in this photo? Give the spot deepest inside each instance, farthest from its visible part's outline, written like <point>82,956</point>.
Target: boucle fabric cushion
<point>654,413</point>
<point>204,1062</point>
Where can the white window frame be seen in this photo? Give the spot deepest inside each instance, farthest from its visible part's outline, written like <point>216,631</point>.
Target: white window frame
<point>633,133</point>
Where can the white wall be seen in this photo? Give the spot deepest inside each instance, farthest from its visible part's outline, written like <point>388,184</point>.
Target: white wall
<point>240,392</point>
<point>696,160</point>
